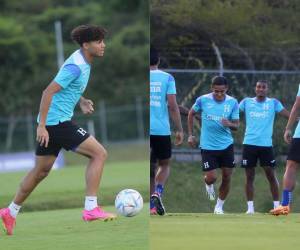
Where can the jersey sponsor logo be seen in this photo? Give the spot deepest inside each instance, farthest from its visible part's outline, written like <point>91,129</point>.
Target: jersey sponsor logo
<point>258,114</point>
<point>155,103</point>
<point>155,87</point>
<point>81,131</point>
<point>214,117</point>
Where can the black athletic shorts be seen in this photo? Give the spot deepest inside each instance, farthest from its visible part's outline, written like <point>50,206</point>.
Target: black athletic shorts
<point>294,150</point>
<point>160,147</point>
<point>65,135</point>
<point>212,159</point>
<point>252,153</point>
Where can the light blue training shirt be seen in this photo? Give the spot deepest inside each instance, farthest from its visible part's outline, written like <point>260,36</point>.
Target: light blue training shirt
<point>259,120</point>
<point>297,131</point>
<point>215,136</point>
<point>161,85</point>
<point>73,77</point>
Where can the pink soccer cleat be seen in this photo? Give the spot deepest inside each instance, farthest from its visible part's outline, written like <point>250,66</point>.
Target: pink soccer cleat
<point>153,211</point>
<point>97,214</point>
<point>8,221</point>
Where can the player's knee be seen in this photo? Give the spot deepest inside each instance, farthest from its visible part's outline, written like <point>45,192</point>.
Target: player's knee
<point>226,178</point>
<point>210,179</point>
<point>101,154</point>
<point>164,163</point>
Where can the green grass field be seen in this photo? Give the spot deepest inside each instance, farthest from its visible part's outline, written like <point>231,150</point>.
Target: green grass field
<point>185,191</point>
<point>65,188</point>
<point>227,232</point>
<point>64,229</point>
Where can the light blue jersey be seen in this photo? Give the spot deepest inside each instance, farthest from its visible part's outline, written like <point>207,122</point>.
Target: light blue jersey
<point>161,85</point>
<point>259,120</point>
<point>297,131</point>
<point>73,77</point>
<point>215,136</point>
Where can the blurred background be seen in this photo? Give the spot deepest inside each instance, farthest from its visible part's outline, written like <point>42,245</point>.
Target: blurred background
<point>245,41</point>
<point>34,41</point>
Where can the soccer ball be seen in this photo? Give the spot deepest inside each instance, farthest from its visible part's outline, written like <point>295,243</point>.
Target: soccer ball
<point>129,202</point>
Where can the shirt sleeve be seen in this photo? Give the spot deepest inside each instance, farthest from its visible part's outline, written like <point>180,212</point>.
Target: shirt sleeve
<point>67,74</point>
<point>278,105</point>
<point>197,105</point>
<point>235,115</point>
<point>298,94</point>
<point>171,86</point>
<point>242,105</point>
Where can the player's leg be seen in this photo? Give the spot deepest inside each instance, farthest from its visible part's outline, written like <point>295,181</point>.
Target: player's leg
<point>267,161</point>
<point>226,161</point>
<point>97,155</point>
<point>210,178</point>
<point>161,177</point>
<point>153,166</point>
<point>289,178</point>
<point>249,188</point>
<point>250,156</point>
<point>161,146</point>
<point>75,138</point>
<point>274,184</point>
<point>289,182</point>
<point>225,184</point>
<point>209,165</point>
<point>42,167</point>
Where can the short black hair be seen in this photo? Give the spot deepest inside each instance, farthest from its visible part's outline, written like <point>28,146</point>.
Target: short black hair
<point>154,57</point>
<point>219,80</point>
<point>262,81</point>
<point>87,33</point>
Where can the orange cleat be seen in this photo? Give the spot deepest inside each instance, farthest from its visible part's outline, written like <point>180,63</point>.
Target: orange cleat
<point>281,210</point>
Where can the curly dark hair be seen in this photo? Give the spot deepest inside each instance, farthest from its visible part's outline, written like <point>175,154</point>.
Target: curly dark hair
<point>87,33</point>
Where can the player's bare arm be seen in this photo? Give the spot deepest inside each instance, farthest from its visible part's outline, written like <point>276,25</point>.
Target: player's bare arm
<point>185,111</point>
<point>42,135</point>
<point>292,119</point>
<point>233,124</point>
<point>175,115</point>
<point>86,105</point>
<point>191,139</point>
<point>285,113</point>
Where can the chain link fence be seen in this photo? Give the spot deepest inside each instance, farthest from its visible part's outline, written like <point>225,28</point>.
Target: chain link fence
<point>108,124</point>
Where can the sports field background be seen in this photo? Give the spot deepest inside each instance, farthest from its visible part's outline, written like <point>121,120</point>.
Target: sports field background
<point>185,190</point>
<point>51,217</point>
<point>226,232</point>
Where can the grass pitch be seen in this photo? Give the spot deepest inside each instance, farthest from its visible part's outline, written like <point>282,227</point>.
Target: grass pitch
<point>65,188</point>
<point>227,232</point>
<point>64,229</point>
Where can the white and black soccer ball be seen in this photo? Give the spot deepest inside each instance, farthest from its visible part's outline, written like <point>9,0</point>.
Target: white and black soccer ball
<point>129,202</point>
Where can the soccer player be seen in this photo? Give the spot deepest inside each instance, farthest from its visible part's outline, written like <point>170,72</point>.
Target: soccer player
<point>56,130</point>
<point>162,100</point>
<point>219,115</point>
<point>260,112</point>
<point>293,159</point>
